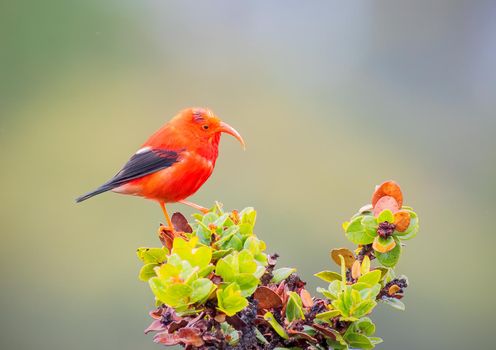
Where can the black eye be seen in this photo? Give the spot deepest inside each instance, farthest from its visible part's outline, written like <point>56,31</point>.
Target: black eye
<point>205,127</point>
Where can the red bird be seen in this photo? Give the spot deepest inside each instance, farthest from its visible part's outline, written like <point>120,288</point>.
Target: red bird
<point>174,162</point>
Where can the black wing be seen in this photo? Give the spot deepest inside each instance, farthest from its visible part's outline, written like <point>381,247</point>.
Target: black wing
<point>144,162</point>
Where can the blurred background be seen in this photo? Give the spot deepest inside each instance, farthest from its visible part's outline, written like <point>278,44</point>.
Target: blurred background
<point>332,99</point>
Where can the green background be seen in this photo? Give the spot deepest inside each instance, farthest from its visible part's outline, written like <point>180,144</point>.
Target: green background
<point>332,98</point>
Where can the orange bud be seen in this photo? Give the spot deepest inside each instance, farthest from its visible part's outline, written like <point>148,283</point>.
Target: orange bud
<point>355,270</point>
<point>393,289</point>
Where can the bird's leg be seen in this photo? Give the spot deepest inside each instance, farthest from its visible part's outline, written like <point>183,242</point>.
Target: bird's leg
<point>196,206</point>
<point>166,214</point>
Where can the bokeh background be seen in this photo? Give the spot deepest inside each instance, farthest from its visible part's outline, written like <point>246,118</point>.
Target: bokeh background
<point>332,98</point>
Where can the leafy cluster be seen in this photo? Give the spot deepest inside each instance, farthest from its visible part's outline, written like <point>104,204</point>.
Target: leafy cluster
<point>215,288</point>
<point>217,258</point>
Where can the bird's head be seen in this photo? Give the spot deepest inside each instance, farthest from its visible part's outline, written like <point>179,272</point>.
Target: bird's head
<point>204,125</point>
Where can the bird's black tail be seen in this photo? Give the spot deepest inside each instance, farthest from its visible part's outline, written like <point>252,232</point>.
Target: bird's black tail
<point>99,190</point>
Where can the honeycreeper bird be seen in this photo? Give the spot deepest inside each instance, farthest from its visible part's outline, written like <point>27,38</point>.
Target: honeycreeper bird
<point>174,162</point>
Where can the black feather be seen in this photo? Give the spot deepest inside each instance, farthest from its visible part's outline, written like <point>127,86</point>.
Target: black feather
<point>140,164</point>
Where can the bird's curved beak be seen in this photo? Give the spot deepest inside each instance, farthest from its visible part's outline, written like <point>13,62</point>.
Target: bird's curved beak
<point>228,129</point>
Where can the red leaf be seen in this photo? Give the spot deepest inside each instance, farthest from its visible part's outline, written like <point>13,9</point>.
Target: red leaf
<point>303,335</point>
<point>388,188</point>
<point>349,257</point>
<point>306,298</point>
<point>166,236</point>
<point>267,298</point>
<point>386,202</point>
<point>188,336</point>
<point>155,326</point>
<point>180,223</point>
<point>324,330</point>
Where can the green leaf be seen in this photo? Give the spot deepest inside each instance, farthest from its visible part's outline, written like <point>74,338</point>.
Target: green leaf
<point>195,256</point>
<point>252,244</point>
<point>328,276</point>
<point>173,295</point>
<point>326,293</point>
<point>260,337</point>
<point>204,234</point>
<point>246,261</point>
<point>364,308</point>
<point>370,278</point>
<point>205,271</point>
<point>294,307</point>
<point>147,272</point>
<point>369,222</point>
<point>209,218</point>
<point>384,271</point>
<point>201,289</point>
<point>247,283</point>
<point>260,272</point>
<point>370,293</point>
<point>358,234</point>
<point>227,234</point>
<point>390,258</point>
<point>269,317</point>
<point>201,256</point>
<point>230,301</point>
<point>361,237</point>
<point>386,215</point>
<point>375,340</point>
<point>335,345</point>
<point>227,268</point>
<point>365,266</point>
<point>365,326</point>
<point>327,315</point>
<point>360,286</point>
<point>218,254</point>
<point>152,255</point>
<point>281,274</point>
<point>261,258</point>
<point>234,243</point>
<point>393,302</point>
<point>355,225</point>
<point>343,269</point>
<point>345,225</point>
<point>335,288</point>
<point>358,341</point>
<point>223,221</point>
<point>343,302</point>
<point>248,216</point>
<point>167,271</point>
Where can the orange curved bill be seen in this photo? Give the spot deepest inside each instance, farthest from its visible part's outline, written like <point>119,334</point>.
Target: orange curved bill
<point>228,129</point>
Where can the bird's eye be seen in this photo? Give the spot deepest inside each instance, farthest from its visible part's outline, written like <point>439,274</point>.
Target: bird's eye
<point>205,127</point>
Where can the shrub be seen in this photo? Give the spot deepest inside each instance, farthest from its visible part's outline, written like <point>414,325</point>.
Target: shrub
<point>216,288</point>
